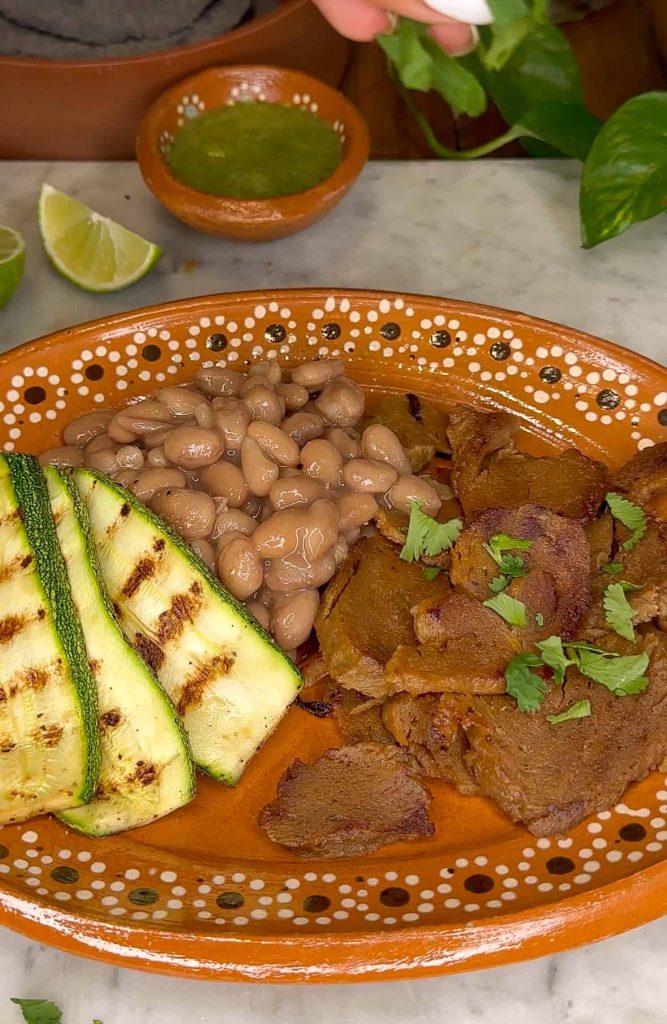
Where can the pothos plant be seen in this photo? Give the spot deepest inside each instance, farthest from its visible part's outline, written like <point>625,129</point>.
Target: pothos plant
<point>524,64</point>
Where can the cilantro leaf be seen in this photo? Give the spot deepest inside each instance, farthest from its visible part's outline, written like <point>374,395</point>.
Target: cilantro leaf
<point>498,583</point>
<point>618,612</point>
<point>555,657</point>
<point>509,609</point>
<point>527,688</point>
<point>39,1011</point>
<point>426,536</point>
<point>500,542</point>
<point>539,619</point>
<point>613,568</point>
<point>513,566</point>
<point>630,515</point>
<point>580,709</point>
<point>626,585</point>
<point>431,573</point>
<point>621,675</point>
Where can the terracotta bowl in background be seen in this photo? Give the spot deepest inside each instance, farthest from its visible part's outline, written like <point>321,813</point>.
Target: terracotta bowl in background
<point>248,220</point>
<point>90,109</point>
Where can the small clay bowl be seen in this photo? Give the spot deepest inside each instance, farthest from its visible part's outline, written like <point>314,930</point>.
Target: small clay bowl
<point>248,220</point>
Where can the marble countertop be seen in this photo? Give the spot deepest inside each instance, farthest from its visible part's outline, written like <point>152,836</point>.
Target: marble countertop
<point>500,232</point>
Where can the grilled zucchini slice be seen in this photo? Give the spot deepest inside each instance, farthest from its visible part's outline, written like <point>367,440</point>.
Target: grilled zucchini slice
<point>147,769</point>
<point>49,738</point>
<point>229,681</point>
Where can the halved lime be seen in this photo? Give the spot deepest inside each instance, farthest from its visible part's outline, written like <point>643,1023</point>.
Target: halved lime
<point>12,260</point>
<point>88,249</point>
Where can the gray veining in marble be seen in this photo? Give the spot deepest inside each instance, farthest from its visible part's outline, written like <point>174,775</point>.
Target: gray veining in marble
<point>498,232</point>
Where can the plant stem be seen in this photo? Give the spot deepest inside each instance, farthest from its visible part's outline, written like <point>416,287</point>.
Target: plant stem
<point>517,131</point>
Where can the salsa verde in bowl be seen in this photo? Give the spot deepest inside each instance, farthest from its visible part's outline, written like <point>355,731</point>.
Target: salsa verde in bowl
<point>251,152</point>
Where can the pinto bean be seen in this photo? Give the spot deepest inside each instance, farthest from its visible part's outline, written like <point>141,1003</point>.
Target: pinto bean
<point>156,457</point>
<point>310,532</point>
<point>295,396</point>
<point>206,552</point>
<point>226,538</point>
<point>240,569</point>
<point>341,548</point>
<point>259,470</point>
<point>191,513</point>
<point>264,403</point>
<point>157,478</point>
<point>66,456</point>
<point>81,431</point>
<point>232,418</point>
<point>104,461</point>
<point>356,509</point>
<point>303,427</point>
<point>137,420</point>
<point>270,370</point>
<point>275,442</point>
<point>346,440</point>
<point>365,476</point>
<point>192,447</point>
<point>182,403</point>
<point>233,520</point>
<point>130,457</point>
<point>341,403</point>
<point>381,444</point>
<point>205,416</point>
<point>156,438</point>
<point>283,576</point>
<point>260,612</point>
<point>293,616</point>
<point>291,491</point>
<point>316,374</point>
<point>412,488</point>
<point>100,443</point>
<point>225,480</point>
<point>124,477</point>
<point>214,380</point>
<point>321,460</point>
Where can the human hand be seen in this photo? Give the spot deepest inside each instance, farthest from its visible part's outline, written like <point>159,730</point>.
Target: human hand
<point>452,21</point>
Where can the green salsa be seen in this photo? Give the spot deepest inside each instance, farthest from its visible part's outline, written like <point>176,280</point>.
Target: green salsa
<point>254,151</point>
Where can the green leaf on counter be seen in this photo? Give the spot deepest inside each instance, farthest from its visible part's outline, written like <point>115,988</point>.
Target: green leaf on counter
<point>625,176</point>
<point>509,609</point>
<point>39,1011</point>
<point>617,611</point>
<point>420,64</point>
<point>631,516</point>
<point>527,688</point>
<point>580,709</point>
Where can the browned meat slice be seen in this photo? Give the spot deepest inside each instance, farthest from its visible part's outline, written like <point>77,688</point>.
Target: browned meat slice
<point>426,728</point>
<point>557,567</point>
<point>552,776</point>
<point>359,719</point>
<point>420,426</point>
<point>489,471</point>
<point>430,668</point>
<point>600,534</point>
<point>348,803</point>
<point>646,566</point>
<point>365,613</point>
<point>644,477</point>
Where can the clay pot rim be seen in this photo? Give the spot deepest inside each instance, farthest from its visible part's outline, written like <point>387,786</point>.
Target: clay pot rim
<point>228,210</point>
<point>235,35</point>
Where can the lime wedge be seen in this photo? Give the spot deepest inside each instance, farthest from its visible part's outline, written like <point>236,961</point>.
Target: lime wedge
<point>12,260</point>
<point>88,249</point>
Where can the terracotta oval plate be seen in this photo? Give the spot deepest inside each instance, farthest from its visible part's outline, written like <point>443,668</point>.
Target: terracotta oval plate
<point>204,892</point>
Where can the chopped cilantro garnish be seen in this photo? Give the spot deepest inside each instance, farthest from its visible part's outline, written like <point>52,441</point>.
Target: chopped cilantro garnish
<point>621,675</point>
<point>431,573</point>
<point>580,709</point>
<point>555,657</point>
<point>509,609</point>
<point>539,619</point>
<point>630,515</point>
<point>527,688</point>
<point>617,611</point>
<point>499,583</point>
<point>426,536</point>
<point>613,568</point>
<point>626,585</point>
<point>509,565</point>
